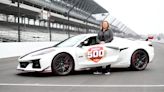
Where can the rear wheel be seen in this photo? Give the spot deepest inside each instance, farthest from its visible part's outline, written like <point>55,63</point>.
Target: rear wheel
<point>62,64</point>
<point>139,60</point>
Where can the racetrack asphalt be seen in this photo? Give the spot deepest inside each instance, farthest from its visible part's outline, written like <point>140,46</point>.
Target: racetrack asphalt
<point>120,80</point>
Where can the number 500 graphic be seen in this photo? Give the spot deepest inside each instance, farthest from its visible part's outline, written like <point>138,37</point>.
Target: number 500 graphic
<point>95,54</point>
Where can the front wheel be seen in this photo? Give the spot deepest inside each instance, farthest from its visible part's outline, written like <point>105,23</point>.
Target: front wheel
<point>62,64</point>
<point>139,60</point>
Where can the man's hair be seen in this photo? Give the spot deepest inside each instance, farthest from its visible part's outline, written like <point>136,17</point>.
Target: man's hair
<point>106,22</point>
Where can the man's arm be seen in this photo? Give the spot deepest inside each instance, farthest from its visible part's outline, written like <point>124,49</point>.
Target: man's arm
<point>110,37</point>
<point>97,39</point>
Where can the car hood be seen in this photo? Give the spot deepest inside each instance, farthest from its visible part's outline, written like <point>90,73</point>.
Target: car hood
<point>39,52</point>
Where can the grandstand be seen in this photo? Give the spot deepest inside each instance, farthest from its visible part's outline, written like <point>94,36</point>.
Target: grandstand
<point>30,33</point>
<point>40,19</point>
<point>48,20</point>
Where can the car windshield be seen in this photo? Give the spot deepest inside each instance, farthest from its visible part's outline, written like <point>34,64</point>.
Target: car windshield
<point>70,42</point>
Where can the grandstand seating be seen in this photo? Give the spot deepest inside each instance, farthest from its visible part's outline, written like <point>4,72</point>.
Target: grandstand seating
<point>70,17</point>
<point>30,33</point>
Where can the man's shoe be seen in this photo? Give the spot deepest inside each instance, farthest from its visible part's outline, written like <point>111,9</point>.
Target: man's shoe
<point>108,73</point>
<point>97,73</point>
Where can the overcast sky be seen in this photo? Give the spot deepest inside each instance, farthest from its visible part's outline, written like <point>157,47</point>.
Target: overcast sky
<point>142,16</point>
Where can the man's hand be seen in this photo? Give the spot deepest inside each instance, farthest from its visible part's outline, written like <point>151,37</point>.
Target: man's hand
<point>102,42</point>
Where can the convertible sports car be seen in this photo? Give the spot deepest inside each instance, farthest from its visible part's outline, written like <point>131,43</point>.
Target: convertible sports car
<point>83,52</point>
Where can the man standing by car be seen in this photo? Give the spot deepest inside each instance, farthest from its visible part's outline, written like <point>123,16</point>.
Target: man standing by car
<point>105,35</point>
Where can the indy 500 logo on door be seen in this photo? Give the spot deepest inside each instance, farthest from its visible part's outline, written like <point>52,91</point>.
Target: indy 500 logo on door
<point>95,54</point>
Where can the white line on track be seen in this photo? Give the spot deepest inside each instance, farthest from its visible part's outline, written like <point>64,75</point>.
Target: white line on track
<point>69,85</point>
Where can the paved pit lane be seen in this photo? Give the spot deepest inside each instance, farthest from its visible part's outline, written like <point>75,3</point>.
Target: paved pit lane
<point>120,80</point>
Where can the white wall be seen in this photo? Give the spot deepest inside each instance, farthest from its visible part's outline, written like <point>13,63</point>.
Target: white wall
<point>20,48</point>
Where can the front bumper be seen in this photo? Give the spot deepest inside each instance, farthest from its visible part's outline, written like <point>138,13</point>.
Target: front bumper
<point>151,56</point>
<point>32,66</point>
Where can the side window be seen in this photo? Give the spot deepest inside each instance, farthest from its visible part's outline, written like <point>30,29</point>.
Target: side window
<point>90,41</point>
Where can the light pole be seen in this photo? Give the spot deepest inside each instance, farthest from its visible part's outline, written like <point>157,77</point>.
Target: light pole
<point>106,16</point>
<point>19,37</point>
<point>68,15</point>
<point>89,17</point>
<point>49,24</point>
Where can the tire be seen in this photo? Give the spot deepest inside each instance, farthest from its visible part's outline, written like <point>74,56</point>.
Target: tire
<point>139,60</point>
<point>62,64</point>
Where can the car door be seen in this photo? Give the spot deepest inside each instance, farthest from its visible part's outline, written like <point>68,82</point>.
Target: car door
<point>92,54</point>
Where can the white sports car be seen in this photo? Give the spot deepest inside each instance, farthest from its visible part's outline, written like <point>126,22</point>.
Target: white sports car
<point>83,52</point>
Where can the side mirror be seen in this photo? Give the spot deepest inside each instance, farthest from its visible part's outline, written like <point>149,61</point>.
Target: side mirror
<point>85,42</point>
<point>81,44</point>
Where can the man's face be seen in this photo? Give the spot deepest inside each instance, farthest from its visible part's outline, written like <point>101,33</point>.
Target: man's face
<point>105,25</point>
